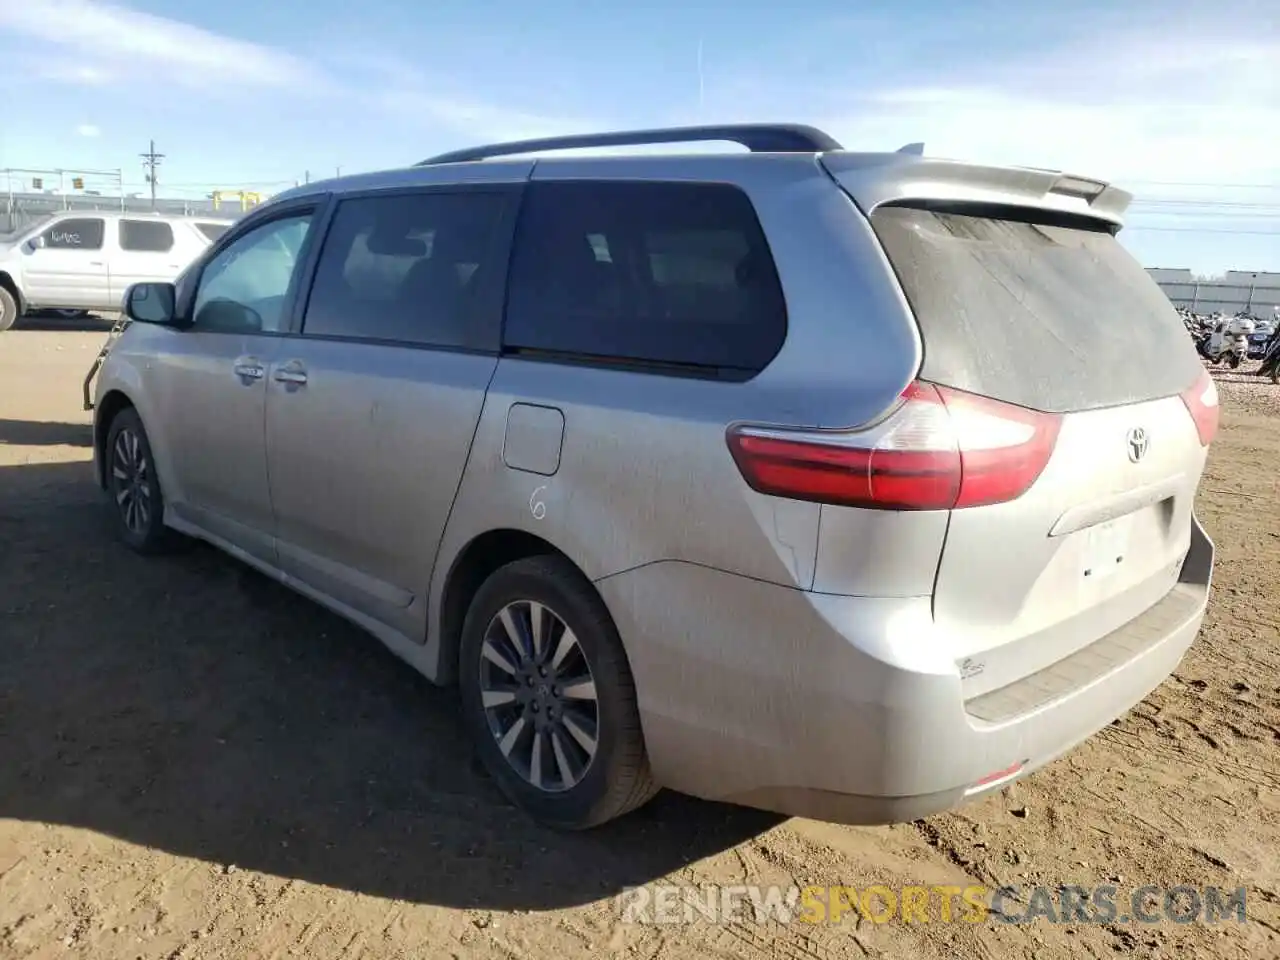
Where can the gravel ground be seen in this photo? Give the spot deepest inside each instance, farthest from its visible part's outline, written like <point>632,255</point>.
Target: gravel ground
<point>195,763</point>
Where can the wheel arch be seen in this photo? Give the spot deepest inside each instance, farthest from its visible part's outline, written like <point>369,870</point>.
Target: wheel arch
<point>474,563</point>
<point>7,281</point>
<point>108,409</point>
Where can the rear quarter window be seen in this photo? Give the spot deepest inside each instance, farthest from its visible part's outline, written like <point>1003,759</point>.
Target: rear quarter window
<point>671,274</point>
<point>1051,317</point>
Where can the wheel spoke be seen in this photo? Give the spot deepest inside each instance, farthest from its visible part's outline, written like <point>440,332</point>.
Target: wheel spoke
<point>585,740</point>
<point>122,495</point>
<point>536,617</point>
<point>579,688</point>
<point>497,698</point>
<point>567,778</point>
<point>118,471</point>
<point>535,762</point>
<point>566,645</point>
<point>514,634</point>
<point>493,655</point>
<point>508,741</point>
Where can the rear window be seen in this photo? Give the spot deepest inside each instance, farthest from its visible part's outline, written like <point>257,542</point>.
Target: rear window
<point>146,236</point>
<point>651,273</point>
<point>1054,318</point>
<point>212,231</point>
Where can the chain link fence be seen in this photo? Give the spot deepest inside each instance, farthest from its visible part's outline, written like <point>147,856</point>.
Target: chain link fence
<point>18,210</point>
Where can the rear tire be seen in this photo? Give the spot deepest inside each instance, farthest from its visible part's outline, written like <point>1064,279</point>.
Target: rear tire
<point>137,502</point>
<point>8,309</point>
<point>552,709</point>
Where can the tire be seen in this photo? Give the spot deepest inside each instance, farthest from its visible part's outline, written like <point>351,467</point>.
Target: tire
<point>1235,362</point>
<point>8,309</point>
<point>136,500</point>
<point>611,780</point>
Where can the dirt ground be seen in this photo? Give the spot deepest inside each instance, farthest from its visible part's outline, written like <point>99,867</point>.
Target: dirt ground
<point>195,763</point>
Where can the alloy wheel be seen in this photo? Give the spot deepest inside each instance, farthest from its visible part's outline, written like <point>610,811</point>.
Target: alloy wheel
<point>539,696</point>
<point>131,481</point>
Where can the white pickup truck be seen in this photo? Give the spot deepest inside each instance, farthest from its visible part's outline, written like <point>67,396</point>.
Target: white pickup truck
<point>86,260</point>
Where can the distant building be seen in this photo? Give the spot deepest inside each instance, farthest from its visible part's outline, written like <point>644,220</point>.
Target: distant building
<point>1261,278</point>
<point>1171,275</point>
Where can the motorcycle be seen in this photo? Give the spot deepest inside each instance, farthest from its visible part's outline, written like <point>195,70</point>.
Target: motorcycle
<point>1228,342</point>
<point>1271,360</point>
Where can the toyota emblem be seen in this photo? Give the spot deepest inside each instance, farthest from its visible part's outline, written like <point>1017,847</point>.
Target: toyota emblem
<point>1137,443</point>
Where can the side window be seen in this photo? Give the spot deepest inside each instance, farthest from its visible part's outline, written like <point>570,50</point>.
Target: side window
<point>411,269</point>
<point>245,287</point>
<point>668,273</point>
<point>146,236</point>
<point>80,234</point>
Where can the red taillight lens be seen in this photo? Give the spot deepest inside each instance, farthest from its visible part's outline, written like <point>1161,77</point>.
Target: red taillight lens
<point>1202,403</point>
<point>940,449</point>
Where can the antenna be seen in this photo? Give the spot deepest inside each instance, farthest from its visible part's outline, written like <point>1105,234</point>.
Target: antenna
<point>915,149</point>
<point>702,90</point>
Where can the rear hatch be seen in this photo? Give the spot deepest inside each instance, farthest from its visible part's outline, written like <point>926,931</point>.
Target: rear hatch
<point>1040,308</point>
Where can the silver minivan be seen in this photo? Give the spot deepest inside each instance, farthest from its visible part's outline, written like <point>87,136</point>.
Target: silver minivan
<point>80,261</point>
<point>797,478</point>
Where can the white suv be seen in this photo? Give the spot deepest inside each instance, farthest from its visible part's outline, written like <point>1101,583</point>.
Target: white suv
<point>81,260</point>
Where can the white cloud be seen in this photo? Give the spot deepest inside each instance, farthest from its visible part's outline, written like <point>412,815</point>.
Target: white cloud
<point>88,130</point>
<point>132,42</point>
<point>113,43</point>
<point>1147,107</point>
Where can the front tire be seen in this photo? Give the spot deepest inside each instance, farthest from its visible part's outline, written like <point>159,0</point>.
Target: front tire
<point>548,697</point>
<point>8,309</point>
<point>137,502</point>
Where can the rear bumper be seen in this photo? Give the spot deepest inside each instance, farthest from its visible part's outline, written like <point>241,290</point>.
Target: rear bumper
<point>845,708</point>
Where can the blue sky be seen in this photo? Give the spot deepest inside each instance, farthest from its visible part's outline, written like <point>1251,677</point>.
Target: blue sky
<point>1178,101</point>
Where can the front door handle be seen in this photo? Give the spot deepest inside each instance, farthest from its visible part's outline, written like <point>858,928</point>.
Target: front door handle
<point>249,368</point>
<point>292,372</point>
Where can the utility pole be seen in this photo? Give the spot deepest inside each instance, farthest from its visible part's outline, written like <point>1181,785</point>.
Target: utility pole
<point>151,160</point>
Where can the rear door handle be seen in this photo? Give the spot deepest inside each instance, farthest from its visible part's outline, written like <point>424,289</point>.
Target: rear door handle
<point>291,372</point>
<point>249,368</point>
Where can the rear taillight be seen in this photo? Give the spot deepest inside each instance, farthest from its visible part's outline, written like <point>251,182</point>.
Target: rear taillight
<point>940,449</point>
<point>1202,403</point>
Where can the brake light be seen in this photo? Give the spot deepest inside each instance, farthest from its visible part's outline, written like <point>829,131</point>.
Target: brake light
<point>1202,403</point>
<point>940,449</point>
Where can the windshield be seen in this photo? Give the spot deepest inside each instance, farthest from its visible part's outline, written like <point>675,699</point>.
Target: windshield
<point>22,229</point>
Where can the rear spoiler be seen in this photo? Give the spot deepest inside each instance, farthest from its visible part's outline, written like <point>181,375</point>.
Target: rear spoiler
<point>874,180</point>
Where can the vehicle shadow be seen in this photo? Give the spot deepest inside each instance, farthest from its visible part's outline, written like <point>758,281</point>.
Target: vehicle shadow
<point>36,433</point>
<point>89,323</point>
<point>188,704</point>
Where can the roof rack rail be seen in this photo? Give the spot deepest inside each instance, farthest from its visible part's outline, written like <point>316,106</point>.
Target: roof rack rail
<point>756,137</point>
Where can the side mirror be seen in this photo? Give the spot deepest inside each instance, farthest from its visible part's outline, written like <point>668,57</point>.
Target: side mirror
<point>34,244</point>
<point>151,303</point>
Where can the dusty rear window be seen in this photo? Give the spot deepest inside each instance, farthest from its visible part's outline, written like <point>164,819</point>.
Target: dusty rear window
<point>1049,317</point>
